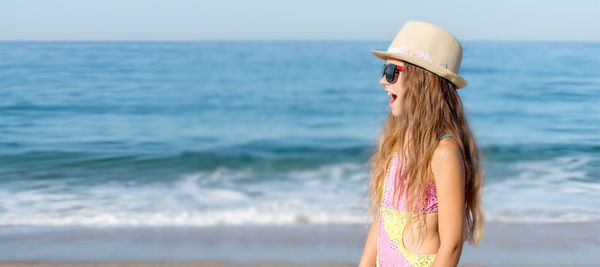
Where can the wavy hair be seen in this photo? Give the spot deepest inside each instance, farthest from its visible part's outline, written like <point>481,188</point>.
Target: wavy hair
<point>431,107</point>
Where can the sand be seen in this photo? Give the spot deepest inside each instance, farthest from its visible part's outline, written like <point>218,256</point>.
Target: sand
<point>181,264</point>
<point>504,244</point>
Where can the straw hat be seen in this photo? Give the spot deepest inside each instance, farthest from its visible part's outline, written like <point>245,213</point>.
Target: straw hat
<point>430,47</point>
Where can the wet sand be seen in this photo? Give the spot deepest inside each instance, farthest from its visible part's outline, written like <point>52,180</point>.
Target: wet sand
<point>181,264</point>
<point>504,244</point>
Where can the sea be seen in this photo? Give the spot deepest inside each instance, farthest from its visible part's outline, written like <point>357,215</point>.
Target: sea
<point>124,133</point>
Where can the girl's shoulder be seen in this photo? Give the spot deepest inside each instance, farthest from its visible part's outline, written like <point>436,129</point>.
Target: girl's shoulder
<point>447,157</point>
<point>446,148</point>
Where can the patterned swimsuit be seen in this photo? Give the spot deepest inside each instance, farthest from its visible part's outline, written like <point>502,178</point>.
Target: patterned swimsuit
<point>390,248</point>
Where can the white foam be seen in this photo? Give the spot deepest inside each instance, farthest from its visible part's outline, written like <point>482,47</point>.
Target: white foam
<point>203,198</point>
<point>263,214</point>
<point>189,184</point>
<point>542,191</point>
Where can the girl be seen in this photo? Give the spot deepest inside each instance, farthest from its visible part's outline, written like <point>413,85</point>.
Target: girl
<point>426,179</point>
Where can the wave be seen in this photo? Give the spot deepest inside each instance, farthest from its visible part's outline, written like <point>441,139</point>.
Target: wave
<point>273,185</point>
<point>263,155</point>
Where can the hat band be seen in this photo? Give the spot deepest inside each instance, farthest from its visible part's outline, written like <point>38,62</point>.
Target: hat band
<point>420,54</point>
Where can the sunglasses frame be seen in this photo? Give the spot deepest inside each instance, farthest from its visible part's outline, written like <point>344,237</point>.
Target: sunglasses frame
<point>389,71</point>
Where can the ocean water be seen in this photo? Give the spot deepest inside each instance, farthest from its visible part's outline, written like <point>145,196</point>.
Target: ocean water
<point>265,132</point>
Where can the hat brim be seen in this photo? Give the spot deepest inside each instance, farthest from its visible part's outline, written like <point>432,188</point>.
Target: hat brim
<point>459,82</point>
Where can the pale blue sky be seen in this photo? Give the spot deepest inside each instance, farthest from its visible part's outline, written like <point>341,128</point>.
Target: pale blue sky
<point>295,20</point>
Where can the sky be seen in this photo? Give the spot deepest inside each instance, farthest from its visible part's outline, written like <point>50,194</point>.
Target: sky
<point>472,20</point>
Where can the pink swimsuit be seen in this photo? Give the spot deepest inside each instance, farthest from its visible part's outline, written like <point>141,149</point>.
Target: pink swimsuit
<point>390,248</point>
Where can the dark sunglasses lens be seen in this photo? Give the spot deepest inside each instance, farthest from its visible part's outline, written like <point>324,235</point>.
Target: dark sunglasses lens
<point>390,72</point>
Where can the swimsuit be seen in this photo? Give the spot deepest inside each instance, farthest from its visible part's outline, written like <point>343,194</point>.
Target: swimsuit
<point>394,218</point>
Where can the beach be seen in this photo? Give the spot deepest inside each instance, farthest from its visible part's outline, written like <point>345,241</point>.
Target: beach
<point>180,153</point>
<point>150,264</point>
<point>181,264</point>
<point>504,244</point>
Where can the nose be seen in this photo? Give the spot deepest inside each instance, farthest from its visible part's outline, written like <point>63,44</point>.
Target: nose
<point>383,81</point>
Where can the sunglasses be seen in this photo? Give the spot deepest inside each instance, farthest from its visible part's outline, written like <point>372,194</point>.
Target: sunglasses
<point>390,70</point>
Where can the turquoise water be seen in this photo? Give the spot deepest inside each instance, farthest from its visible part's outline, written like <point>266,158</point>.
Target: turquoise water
<point>206,133</point>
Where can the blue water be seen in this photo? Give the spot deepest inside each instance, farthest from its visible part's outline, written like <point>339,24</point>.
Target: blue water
<point>205,133</point>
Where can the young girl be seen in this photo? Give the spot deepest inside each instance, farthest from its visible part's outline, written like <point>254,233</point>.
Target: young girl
<point>426,179</point>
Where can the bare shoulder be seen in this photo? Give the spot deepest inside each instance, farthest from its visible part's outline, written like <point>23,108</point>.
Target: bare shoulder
<point>446,148</point>
<point>447,159</point>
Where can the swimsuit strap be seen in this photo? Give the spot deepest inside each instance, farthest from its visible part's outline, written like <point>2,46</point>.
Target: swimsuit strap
<point>446,135</point>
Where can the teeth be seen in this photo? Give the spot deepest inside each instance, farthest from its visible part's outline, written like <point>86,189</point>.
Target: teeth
<point>389,93</point>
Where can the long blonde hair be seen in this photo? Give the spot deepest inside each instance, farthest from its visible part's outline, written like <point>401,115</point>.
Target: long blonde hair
<point>431,107</point>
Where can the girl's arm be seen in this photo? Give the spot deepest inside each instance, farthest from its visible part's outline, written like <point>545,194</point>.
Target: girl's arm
<point>448,170</point>
<point>369,255</point>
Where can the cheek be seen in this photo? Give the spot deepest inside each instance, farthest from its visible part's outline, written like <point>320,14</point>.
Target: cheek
<point>399,99</point>
<point>398,89</point>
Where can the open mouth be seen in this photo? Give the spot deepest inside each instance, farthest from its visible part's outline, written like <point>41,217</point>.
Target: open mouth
<point>393,97</point>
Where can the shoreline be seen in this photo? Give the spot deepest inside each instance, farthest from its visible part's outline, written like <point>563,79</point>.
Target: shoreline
<point>503,244</point>
<point>180,264</point>
<point>158,264</point>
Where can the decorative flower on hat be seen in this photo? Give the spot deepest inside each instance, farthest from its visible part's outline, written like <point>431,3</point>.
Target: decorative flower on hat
<point>404,50</point>
<point>401,50</point>
<point>422,54</point>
